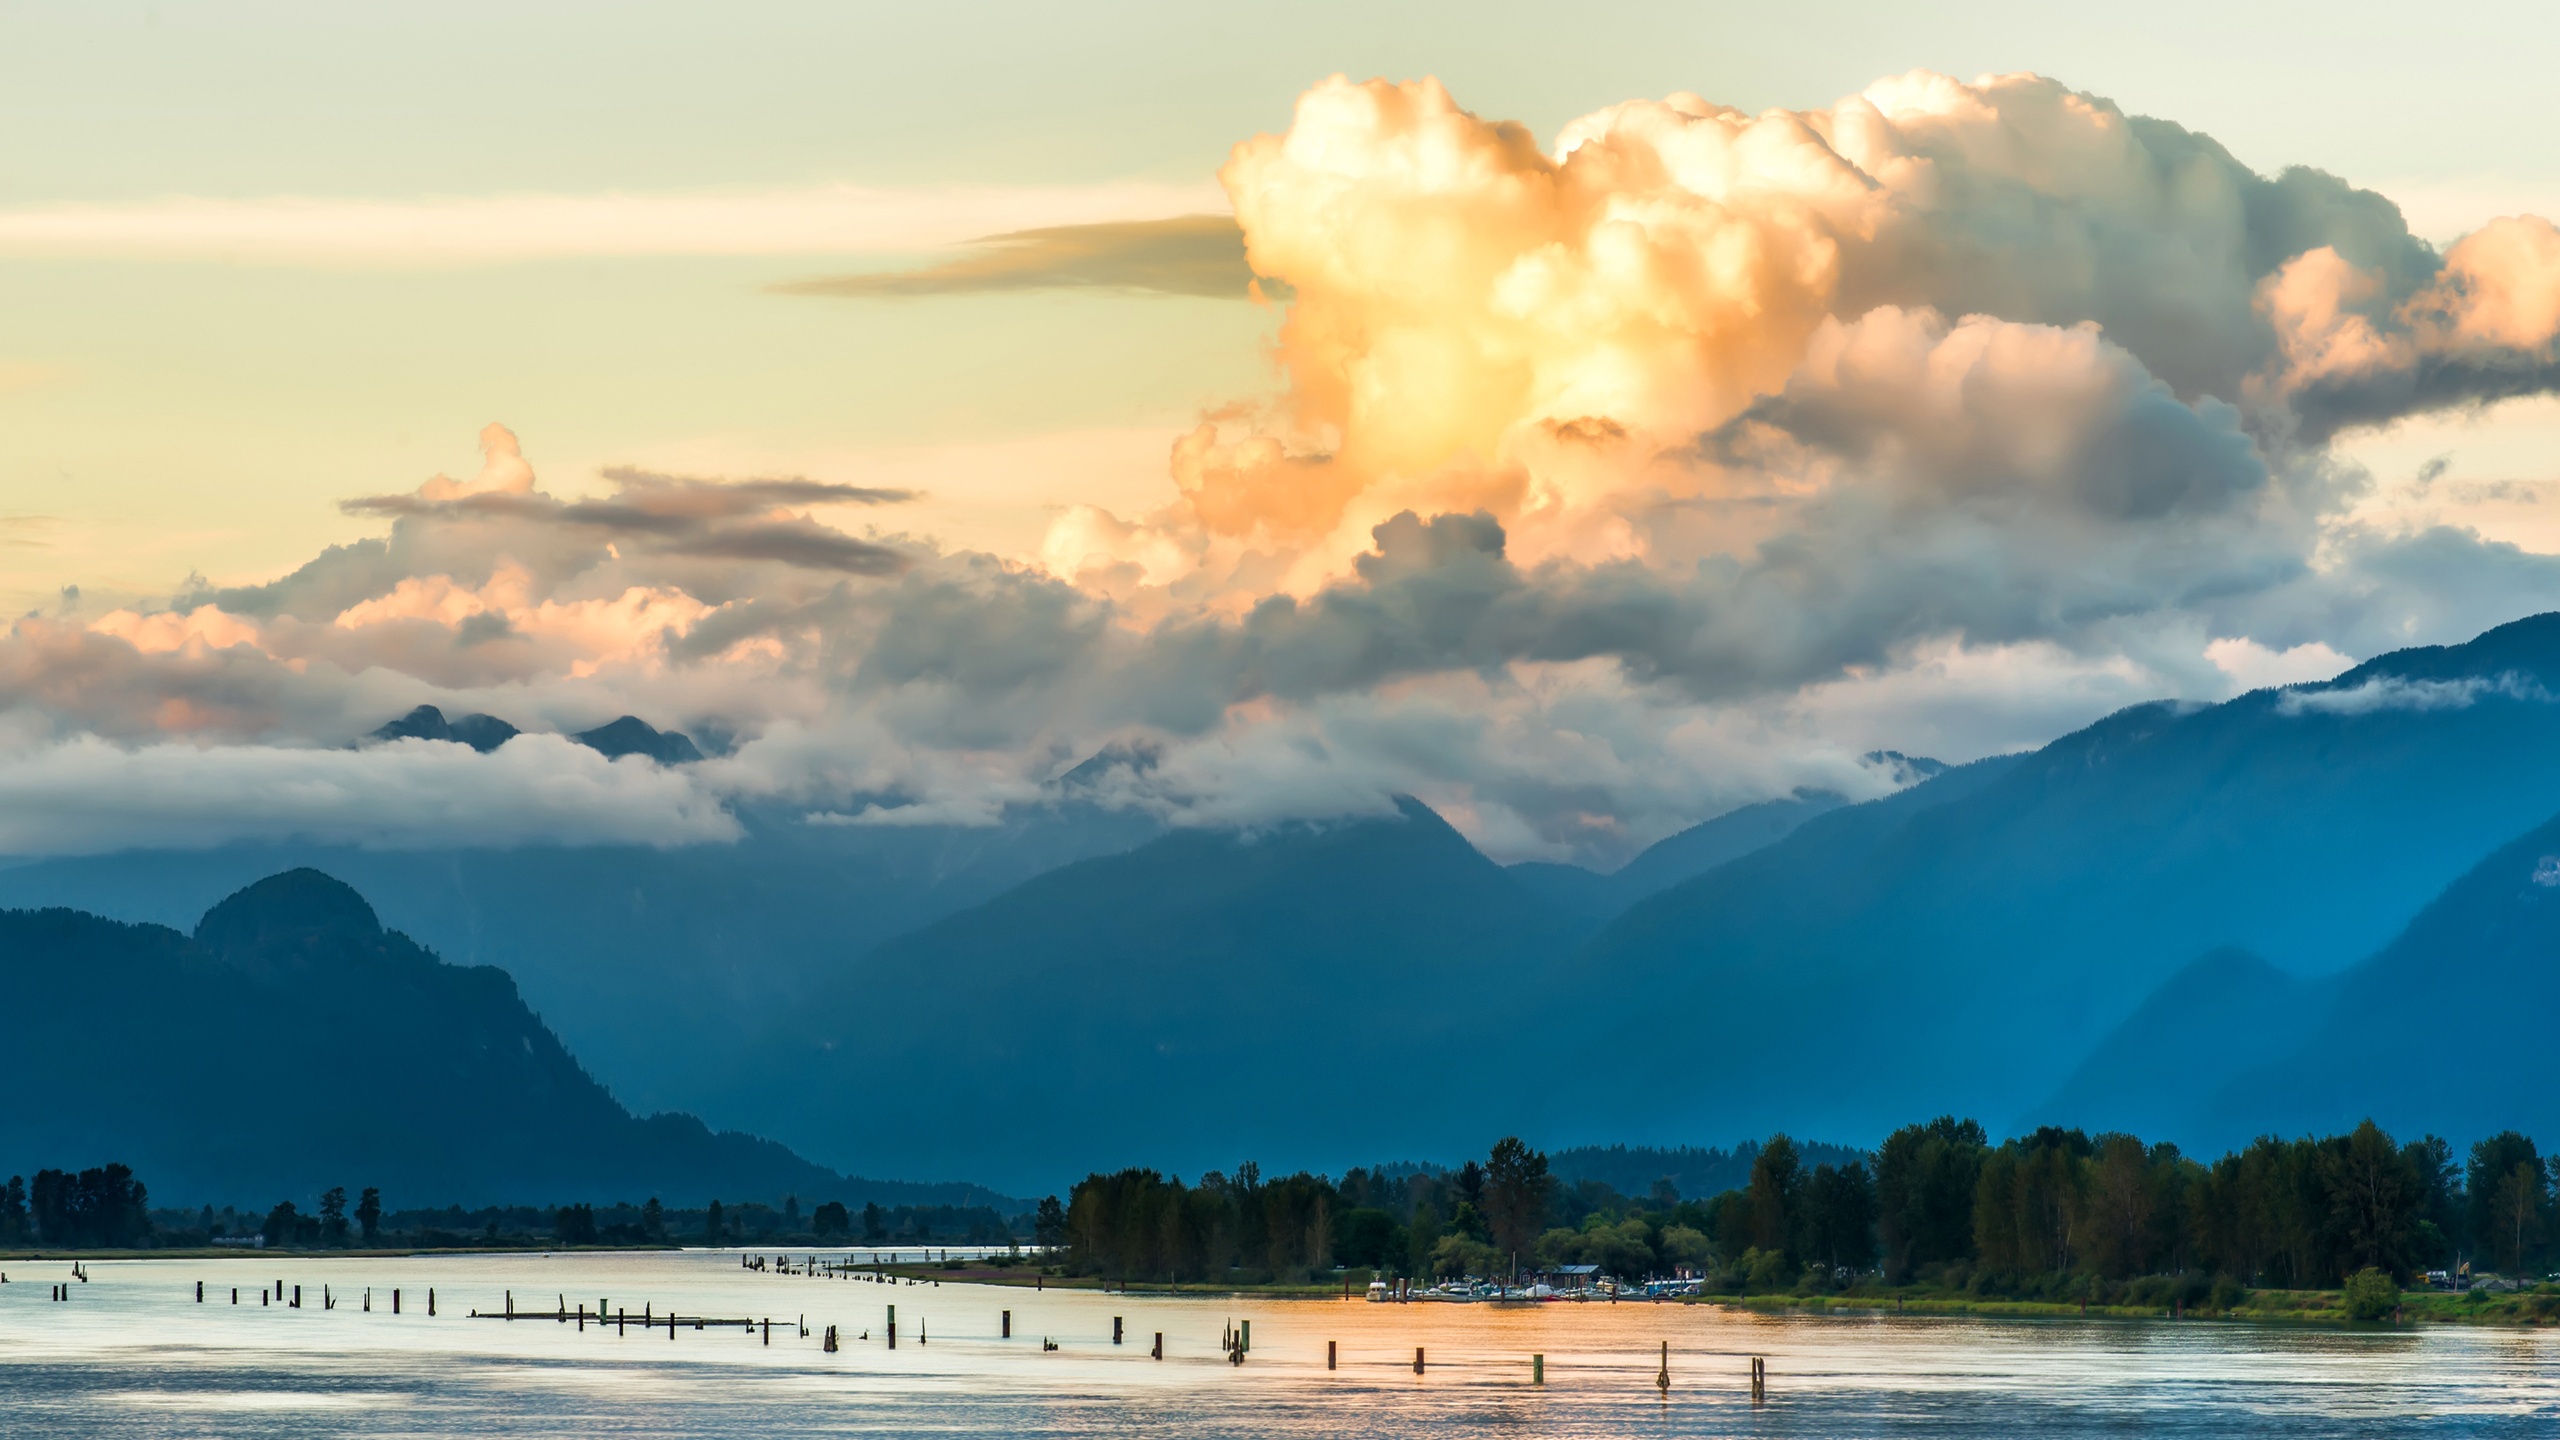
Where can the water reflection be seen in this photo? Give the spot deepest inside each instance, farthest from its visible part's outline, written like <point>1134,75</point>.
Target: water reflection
<point>132,1353</point>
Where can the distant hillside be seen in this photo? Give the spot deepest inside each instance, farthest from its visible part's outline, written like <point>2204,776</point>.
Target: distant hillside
<point>2219,1018</point>
<point>1302,996</point>
<point>291,1043</point>
<point>2439,1031</point>
<point>1667,862</point>
<point>1964,944</point>
<point>1695,1172</point>
<point>657,968</point>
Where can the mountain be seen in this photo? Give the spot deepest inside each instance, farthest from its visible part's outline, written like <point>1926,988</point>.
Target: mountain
<point>2210,1023</point>
<point>292,1043</point>
<point>1964,944</point>
<point>483,733</point>
<point>632,735</point>
<point>658,968</point>
<point>1669,861</point>
<point>2436,1032</point>
<point>1302,995</point>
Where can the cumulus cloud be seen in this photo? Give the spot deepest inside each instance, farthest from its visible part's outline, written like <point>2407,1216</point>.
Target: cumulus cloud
<point>1605,484</point>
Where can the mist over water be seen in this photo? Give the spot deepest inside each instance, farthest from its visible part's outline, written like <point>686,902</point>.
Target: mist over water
<point>132,1353</point>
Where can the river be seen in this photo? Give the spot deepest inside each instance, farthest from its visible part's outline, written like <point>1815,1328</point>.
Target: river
<point>131,1352</point>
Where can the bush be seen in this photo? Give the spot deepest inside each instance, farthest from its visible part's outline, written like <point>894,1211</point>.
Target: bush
<point>2371,1295</point>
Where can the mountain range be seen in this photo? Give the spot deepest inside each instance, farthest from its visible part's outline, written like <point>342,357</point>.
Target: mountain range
<point>291,1043</point>
<point>2197,921</point>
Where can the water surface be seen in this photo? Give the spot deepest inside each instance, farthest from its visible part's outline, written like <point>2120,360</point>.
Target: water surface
<point>132,1354</point>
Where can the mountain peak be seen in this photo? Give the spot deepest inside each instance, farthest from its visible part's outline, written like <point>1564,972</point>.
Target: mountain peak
<point>483,733</point>
<point>632,735</point>
<point>293,905</point>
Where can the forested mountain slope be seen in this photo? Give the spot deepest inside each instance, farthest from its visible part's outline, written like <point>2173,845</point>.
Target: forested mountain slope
<point>1309,994</point>
<point>1962,945</point>
<point>291,1043</point>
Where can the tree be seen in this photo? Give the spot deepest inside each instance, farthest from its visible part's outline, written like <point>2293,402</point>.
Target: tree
<point>2374,1200</point>
<point>714,1225</point>
<point>369,1213</point>
<point>1048,1224</point>
<point>2505,1206</point>
<point>2370,1295</point>
<point>1840,1217</point>
<point>1516,1189</point>
<point>333,1215</point>
<point>13,1211</point>
<point>283,1225</point>
<point>830,1220</point>
<point>574,1225</point>
<point>1926,1178</point>
<point>1776,1179</point>
<point>653,1219</point>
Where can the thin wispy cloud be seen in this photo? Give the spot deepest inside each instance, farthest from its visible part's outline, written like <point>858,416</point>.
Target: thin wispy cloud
<point>1200,255</point>
<point>505,229</point>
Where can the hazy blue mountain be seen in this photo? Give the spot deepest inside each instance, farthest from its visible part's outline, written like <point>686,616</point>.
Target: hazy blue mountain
<point>1962,945</point>
<point>1309,995</point>
<point>1694,851</point>
<point>632,735</point>
<point>2217,1019</point>
<point>291,1043</point>
<point>2442,1030</point>
<point>657,967</point>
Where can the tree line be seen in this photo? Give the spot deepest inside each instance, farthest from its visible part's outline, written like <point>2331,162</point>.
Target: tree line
<point>2057,1213</point>
<point>108,1208</point>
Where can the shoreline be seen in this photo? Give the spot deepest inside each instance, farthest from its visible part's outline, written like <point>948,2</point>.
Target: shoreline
<point>2520,1309</point>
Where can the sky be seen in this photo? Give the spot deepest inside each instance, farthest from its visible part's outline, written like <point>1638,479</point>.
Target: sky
<point>1583,477</point>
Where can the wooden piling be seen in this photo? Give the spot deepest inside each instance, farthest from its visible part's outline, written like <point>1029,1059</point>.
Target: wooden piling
<point>1115,1329</point>
<point>395,1301</point>
<point>1159,1350</point>
<point>893,1327</point>
<point>199,1292</point>
<point>1244,1336</point>
<point>1662,1378</point>
<point>1537,1369</point>
<point>1417,1359</point>
<point>1329,1353</point>
<point>1008,1325</point>
<point>431,1302</point>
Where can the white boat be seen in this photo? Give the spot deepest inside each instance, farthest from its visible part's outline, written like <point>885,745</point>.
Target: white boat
<point>1377,1292</point>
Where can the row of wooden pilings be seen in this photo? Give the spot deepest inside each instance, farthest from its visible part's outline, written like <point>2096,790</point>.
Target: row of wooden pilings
<point>292,1300</point>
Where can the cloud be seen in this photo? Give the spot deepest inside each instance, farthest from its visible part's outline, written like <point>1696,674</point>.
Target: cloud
<point>1199,255</point>
<point>677,515</point>
<point>511,229</point>
<point>1602,486</point>
<point>2393,692</point>
<point>85,795</point>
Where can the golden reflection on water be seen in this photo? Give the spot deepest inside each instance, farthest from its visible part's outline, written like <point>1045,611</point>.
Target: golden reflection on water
<point>132,1352</point>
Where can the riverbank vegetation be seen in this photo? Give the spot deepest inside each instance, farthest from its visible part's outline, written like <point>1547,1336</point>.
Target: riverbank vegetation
<point>2058,1221</point>
<point>107,1208</point>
